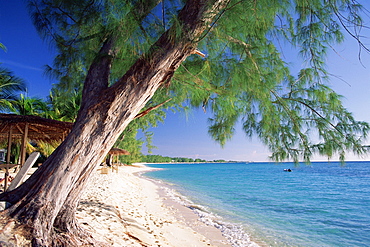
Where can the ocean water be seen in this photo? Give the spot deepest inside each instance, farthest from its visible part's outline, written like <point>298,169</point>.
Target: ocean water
<point>324,204</point>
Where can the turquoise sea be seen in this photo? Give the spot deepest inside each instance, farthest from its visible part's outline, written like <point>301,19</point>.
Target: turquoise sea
<point>323,204</point>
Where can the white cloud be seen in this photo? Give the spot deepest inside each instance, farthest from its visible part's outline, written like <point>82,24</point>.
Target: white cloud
<point>19,65</point>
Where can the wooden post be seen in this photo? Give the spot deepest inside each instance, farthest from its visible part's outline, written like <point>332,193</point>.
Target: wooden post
<point>24,144</point>
<point>8,157</point>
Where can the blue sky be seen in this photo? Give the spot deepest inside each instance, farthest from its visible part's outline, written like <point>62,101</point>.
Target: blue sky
<point>182,135</point>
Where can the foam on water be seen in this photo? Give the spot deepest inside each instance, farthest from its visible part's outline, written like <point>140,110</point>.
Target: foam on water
<point>233,232</point>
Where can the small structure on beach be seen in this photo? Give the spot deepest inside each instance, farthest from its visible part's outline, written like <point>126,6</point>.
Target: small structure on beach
<point>114,152</point>
<point>33,128</point>
<point>24,128</point>
<point>119,151</point>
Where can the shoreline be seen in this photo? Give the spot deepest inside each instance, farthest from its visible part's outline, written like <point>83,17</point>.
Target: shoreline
<point>127,209</point>
<point>189,217</point>
<point>235,234</point>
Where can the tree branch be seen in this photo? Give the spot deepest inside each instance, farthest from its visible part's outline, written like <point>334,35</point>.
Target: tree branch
<point>316,112</point>
<point>98,76</point>
<point>172,48</point>
<point>147,111</point>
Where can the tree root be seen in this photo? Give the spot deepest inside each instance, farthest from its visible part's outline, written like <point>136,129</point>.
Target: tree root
<point>12,233</point>
<point>75,237</point>
<point>15,234</point>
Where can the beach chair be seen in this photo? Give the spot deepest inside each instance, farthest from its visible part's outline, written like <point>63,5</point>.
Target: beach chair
<point>18,179</point>
<point>104,169</point>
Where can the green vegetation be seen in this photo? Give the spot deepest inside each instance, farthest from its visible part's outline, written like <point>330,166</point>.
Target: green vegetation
<point>10,87</point>
<point>283,108</point>
<point>244,78</point>
<point>161,159</point>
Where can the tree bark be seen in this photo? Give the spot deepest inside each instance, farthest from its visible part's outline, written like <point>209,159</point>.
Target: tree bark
<point>46,203</point>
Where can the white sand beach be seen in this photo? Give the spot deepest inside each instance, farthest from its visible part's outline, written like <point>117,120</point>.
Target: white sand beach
<point>124,209</point>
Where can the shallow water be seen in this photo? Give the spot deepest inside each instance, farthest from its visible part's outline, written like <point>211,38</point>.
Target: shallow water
<point>324,204</point>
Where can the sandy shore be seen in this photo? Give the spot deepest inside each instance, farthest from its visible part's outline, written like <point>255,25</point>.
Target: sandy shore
<point>124,209</point>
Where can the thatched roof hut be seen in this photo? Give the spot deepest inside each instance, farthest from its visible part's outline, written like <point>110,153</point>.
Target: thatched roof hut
<point>118,151</point>
<point>24,128</point>
<point>35,128</point>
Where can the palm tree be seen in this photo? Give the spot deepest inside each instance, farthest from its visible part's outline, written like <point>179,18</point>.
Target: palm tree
<point>64,104</point>
<point>29,106</point>
<point>10,86</point>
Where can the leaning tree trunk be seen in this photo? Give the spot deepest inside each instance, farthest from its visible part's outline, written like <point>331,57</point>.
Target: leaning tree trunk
<point>44,206</point>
